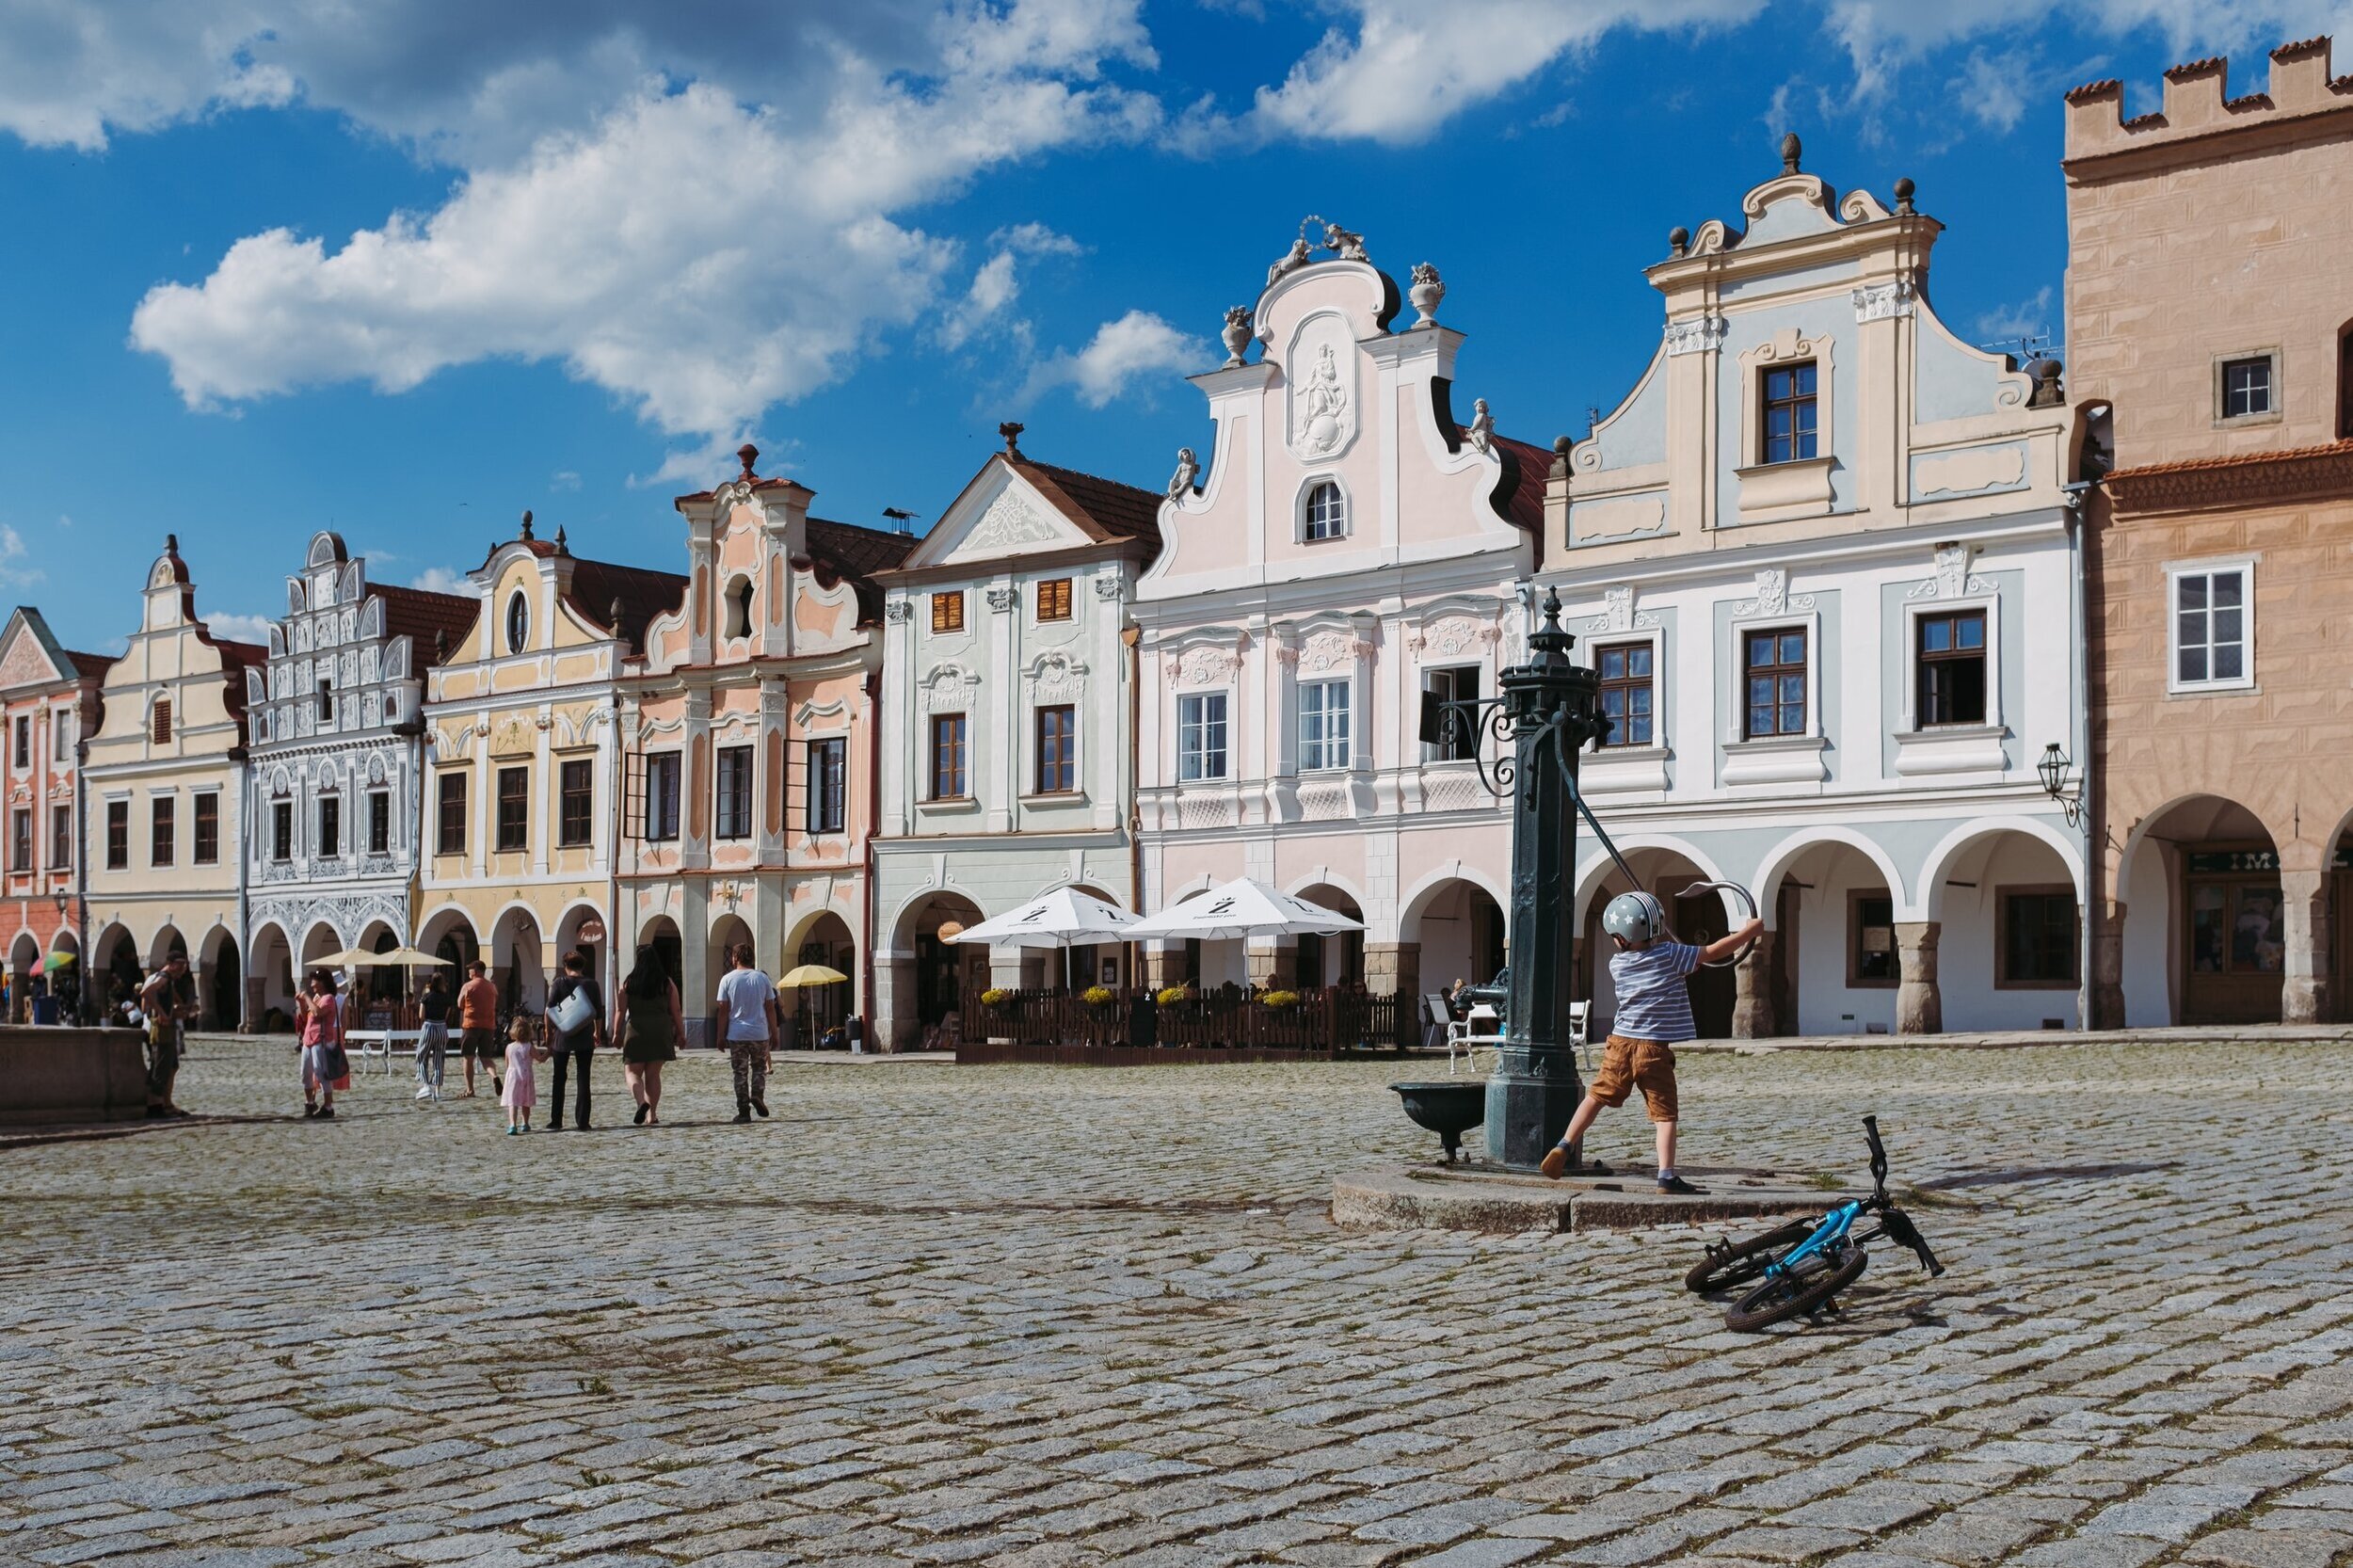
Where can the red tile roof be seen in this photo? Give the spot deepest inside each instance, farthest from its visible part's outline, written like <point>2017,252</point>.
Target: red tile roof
<point>93,664</point>
<point>2237,459</point>
<point>1105,509</point>
<point>417,614</point>
<point>641,593</point>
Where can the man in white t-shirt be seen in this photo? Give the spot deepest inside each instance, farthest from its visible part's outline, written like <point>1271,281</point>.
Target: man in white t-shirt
<point>747,1006</point>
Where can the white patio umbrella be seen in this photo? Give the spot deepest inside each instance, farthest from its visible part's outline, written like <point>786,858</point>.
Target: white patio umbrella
<point>1239,908</point>
<point>1064,918</point>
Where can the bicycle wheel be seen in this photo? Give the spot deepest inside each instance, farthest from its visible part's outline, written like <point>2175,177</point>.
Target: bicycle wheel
<point>1741,1262</point>
<point>1777,1299</point>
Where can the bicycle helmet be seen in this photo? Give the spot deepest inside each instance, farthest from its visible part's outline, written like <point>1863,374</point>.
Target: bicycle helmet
<point>1635,917</point>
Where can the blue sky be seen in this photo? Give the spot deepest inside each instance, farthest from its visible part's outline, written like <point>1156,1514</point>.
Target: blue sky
<point>406,270</point>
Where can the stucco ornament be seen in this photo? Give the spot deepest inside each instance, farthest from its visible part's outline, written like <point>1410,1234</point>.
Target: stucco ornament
<point>1427,294</point>
<point>1207,666</point>
<point>1698,335</point>
<point>1481,432</point>
<point>1456,635</point>
<point>1884,301</point>
<point>1009,520</point>
<point>947,689</point>
<point>1180,483</point>
<point>1328,651</point>
<point>1057,678</point>
<point>1323,413</point>
<point>1773,597</point>
<point>1952,579</point>
<point>1003,599</point>
<point>899,611</point>
<point>1618,613</point>
<point>1107,588</point>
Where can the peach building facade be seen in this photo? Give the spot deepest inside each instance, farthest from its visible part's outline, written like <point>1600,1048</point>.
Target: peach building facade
<point>747,765</point>
<point>1349,543</point>
<point>2211,348</point>
<point>49,699</point>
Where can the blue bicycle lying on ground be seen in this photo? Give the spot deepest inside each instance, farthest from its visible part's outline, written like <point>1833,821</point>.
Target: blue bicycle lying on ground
<point>1800,1266</point>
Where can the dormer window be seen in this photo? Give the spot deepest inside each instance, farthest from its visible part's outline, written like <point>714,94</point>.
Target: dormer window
<point>740,607</point>
<point>1327,512</point>
<point>518,623</point>
<point>1789,422</point>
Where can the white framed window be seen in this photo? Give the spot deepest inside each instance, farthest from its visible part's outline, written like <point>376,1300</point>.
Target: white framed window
<point>517,622</point>
<point>1323,725</point>
<point>1323,512</point>
<point>1939,632</point>
<point>1200,736</point>
<point>2247,386</point>
<point>1460,732</point>
<point>2210,616</point>
<point>61,735</point>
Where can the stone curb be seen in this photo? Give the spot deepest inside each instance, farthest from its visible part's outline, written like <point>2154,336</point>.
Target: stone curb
<point>1430,1197</point>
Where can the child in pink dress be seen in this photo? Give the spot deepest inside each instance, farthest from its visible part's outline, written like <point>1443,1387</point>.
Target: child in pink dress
<point>522,1091</point>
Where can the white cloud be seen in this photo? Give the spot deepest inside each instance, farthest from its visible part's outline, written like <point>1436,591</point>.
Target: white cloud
<point>241,629</point>
<point>15,568</point>
<point>2026,319</point>
<point>1138,344</point>
<point>563,479</point>
<point>700,257</point>
<point>441,580</point>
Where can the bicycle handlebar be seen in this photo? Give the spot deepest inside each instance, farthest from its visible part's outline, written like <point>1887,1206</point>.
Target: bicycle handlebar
<point>1878,1154</point>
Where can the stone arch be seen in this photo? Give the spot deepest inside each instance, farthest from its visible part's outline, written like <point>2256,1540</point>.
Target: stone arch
<point>220,974</point>
<point>114,961</point>
<point>2194,881</point>
<point>24,964</point>
<point>1947,855</point>
<point>1337,959</point>
<point>1663,865</point>
<point>167,941</point>
<point>823,936</point>
<point>269,975</point>
<point>518,959</point>
<point>1786,854</point>
<point>1598,867</point>
<point>570,927</point>
<point>319,938</point>
<point>728,929</point>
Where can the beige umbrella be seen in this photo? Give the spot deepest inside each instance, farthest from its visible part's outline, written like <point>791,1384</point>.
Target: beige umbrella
<point>812,975</point>
<point>350,958</point>
<point>407,958</point>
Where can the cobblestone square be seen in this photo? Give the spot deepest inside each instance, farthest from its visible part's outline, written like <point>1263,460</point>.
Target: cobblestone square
<point>1022,1315</point>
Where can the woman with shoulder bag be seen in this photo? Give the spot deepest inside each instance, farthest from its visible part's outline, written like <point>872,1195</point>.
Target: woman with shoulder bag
<point>324,1063</point>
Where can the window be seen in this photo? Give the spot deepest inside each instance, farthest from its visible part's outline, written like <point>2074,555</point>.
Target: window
<point>2210,628</point>
<point>21,839</point>
<point>61,729</point>
<point>1459,729</point>
<point>281,830</point>
<point>379,822</point>
<point>735,793</point>
<point>828,763</point>
<point>331,828</point>
<point>1871,958</point>
<point>1776,675</point>
<point>662,803</point>
<point>1201,736</point>
<point>948,757</point>
<point>160,812</point>
<point>1057,750</point>
<point>1788,412</point>
<point>518,623</point>
<point>159,722</point>
<point>2247,386</point>
<point>118,835</point>
<point>740,607</point>
<point>2038,937</point>
<point>23,740</point>
<point>1626,694</point>
<point>327,702</point>
<point>208,829</point>
<point>576,802</point>
<point>60,837</point>
<point>948,610</point>
<point>1322,725</point>
<point>1327,512</point>
<point>1951,674</point>
<point>450,828</point>
<point>513,810</point>
<point>1053,598</point>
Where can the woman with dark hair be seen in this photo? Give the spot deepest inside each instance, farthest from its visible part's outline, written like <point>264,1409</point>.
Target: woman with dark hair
<point>323,1058</point>
<point>651,1029</point>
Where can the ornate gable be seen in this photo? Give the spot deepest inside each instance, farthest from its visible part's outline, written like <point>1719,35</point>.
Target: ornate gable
<point>1003,515</point>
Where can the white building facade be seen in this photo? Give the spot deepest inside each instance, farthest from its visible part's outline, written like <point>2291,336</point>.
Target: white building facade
<point>1824,560</point>
<point>1008,729</point>
<point>335,786</point>
<point>1349,543</point>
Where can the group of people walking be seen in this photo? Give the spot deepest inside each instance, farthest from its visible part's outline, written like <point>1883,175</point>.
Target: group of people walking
<point>649,1026</point>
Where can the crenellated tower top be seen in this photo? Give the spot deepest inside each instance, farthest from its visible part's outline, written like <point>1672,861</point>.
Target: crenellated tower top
<point>2198,103</point>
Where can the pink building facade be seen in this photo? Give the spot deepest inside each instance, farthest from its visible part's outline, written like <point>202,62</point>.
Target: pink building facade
<point>1349,544</point>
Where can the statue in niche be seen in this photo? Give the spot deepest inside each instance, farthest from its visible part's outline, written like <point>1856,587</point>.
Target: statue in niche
<point>1323,403</point>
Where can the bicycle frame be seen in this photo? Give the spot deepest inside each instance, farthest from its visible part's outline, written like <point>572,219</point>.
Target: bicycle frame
<point>1833,1229</point>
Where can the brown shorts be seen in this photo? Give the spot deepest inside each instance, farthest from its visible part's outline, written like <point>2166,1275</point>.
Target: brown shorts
<point>480,1042</point>
<point>1628,1065</point>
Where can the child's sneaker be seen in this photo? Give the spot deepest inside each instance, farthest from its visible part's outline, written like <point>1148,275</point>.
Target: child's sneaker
<point>1557,1161</point>
<point>1677,1186</point>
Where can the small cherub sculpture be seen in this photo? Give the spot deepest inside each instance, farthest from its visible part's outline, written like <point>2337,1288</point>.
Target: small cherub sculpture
<point>1180,483</point>
<point>1481,430</point>
<point>1349,247</point>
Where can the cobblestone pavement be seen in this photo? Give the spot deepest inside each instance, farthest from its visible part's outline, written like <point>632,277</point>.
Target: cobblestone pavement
<point>943,1315</point>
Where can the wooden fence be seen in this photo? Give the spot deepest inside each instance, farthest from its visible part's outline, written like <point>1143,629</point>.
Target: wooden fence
<point>1327,1021</point>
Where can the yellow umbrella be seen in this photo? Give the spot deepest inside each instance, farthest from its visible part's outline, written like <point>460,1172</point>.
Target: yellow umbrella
<point>407,958</point>
<point>348,958</point>
<point>812,975</point>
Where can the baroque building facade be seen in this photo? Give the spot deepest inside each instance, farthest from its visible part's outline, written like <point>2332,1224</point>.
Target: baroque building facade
<point>523,813</point>
<point>49,699</point>
<point>335,782</point>
<point>1008,729</point>
<point>164,780</point>
<point>748,724</point>
<point>2211,344</point>
<point>1823,559</point>
<point>1349,544</point>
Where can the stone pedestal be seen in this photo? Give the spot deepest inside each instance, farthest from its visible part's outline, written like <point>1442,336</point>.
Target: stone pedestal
<point>895,1025</point>
<point>2107,969</point>
<point>2304,991</point>
<point>1752,1008</point>
<point>1919,1006</point>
